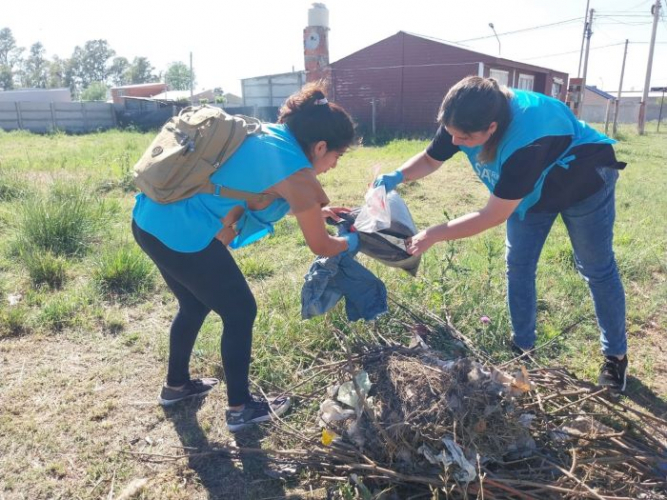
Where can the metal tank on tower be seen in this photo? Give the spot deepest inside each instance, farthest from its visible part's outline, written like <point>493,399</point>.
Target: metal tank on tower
<point>316,44</point>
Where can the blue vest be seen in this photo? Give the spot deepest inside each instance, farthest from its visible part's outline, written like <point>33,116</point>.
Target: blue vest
<point>534,116</point>
<point>190,225</point>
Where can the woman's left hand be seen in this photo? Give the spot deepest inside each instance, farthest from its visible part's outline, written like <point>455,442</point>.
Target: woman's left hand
<point>333,212</point>
<point>420,242</point>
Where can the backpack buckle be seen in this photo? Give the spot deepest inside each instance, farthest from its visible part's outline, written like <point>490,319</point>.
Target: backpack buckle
<point>216,192</point>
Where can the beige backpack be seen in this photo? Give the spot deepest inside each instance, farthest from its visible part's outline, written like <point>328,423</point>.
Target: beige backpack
<point>189,148</point>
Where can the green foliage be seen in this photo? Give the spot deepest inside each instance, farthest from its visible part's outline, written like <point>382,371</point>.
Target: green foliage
<point>12,185</point>
<point>36,70</point>
<point>44,268</point>
<point>256,269</point>
<point>65,222</point>
<point>140,71</point>
<point>124,271</point>
<point>178,76</point>
<point>14,320</point>
<point>96,91</point>
<point>88,64</point>
<point>59,313</point>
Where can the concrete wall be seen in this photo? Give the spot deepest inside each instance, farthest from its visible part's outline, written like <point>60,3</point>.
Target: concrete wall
<point>628,112</point>
<point>271,90</point>
<point>66,116</point>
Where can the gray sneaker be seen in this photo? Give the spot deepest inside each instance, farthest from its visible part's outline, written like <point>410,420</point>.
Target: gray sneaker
<point>195,388</point>
<point>256,410</point>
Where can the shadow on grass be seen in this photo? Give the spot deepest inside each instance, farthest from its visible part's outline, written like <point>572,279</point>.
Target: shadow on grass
<point>219,475</point>
<point>643,396</point>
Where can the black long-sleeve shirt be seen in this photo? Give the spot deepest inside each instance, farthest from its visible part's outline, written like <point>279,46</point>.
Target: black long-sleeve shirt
<point>562,187</point>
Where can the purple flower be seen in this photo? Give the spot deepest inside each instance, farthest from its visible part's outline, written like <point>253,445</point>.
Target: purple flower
<point>485,319</point>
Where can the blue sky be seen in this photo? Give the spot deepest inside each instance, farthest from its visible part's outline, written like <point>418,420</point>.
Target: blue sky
<point>234,39</point>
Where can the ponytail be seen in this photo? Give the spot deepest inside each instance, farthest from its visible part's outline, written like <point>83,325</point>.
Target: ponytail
<point>312,118</point>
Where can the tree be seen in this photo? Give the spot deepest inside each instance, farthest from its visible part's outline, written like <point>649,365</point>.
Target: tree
<point>7,46</point>
<point>118,71</point>
<point>96,91</point>
<point>36,68</point>
<point>6,78</point>
<point>10,59</point>
<point>89,64</point>
<point>58,73</point>
<point>141,71</point>
<point>177,76</point>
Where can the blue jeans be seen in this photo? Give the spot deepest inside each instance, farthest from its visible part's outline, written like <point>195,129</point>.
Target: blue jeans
<point>590,226</point>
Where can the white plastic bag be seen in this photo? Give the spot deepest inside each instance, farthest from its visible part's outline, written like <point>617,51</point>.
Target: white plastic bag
<point>375,214</point>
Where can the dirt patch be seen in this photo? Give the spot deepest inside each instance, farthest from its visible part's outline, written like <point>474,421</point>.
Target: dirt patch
<point>73,411</point>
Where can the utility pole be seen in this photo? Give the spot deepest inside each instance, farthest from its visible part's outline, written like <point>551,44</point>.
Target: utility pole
<point>192,100</point>
<point>655,10</point>
<point>589,33</point>
<point>620,90</point>
<point>583,37</point>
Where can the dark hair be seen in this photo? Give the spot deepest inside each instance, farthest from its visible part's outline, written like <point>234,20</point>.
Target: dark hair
<point>472,105</point>
<point>311,118</point>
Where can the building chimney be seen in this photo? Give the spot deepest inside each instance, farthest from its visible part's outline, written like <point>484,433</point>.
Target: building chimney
<point>316,44</point>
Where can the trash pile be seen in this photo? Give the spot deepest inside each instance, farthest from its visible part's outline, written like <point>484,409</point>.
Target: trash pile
<point>407,420</point>
<point>417,403</point>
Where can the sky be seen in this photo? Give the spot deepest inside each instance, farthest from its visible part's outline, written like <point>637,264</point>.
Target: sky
<point>234,39</point>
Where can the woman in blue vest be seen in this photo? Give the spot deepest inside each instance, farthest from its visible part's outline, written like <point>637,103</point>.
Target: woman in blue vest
<point>188,240</point>
<point>538,161</point>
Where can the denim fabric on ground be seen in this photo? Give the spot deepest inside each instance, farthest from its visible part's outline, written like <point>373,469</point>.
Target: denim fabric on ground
<point>331,278</point>
<point>590,227</point>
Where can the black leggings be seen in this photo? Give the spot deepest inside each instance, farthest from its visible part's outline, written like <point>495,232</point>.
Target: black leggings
<point>204,281</point>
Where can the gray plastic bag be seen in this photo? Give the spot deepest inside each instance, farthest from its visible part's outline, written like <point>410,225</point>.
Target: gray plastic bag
<point>388,245</point>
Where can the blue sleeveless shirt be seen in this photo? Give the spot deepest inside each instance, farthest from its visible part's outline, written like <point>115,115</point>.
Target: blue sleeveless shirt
<point>534,116</point>
<point>190,225</point>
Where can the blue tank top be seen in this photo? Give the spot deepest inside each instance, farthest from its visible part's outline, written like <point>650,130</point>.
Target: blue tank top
<point>190,225</point>
<point>534,116</point>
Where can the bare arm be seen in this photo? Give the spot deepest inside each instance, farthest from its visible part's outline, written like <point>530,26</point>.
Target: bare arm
<point>493,214</point>
<point>319,241</point>
<point>420,165</point>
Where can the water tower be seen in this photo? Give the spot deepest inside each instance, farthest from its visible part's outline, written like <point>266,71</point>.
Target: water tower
<point>316,44</point>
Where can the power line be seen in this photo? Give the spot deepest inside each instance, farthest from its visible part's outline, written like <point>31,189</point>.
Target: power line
<point>570,52</point>
<point>523,30</point>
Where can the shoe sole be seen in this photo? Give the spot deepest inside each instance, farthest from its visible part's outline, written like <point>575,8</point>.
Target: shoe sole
<point>281,410</point>
<point>617,389</point>
<point>170,402</point>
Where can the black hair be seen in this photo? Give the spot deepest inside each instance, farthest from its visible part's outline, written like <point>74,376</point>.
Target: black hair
<point>312,118</point>
<point>472,105</point>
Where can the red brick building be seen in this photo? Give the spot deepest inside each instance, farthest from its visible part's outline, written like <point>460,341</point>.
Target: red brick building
<point>404,78</point>
<point>138,90</point>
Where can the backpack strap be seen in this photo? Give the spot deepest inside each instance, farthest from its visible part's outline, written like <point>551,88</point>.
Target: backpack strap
<point>237,194</point>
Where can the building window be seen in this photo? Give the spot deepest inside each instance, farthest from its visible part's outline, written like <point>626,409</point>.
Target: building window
<point>557,87</point>
<point>555,90</point>
<point>526,82</point>
<point>499,75</point>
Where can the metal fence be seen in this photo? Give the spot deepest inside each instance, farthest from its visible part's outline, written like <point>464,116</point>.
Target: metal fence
<point>50,116</point>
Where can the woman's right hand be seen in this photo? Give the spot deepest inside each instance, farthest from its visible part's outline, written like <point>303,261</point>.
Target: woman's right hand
<point>389,181</point>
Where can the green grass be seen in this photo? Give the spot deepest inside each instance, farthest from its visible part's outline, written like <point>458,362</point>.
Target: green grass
<point>66,249</point>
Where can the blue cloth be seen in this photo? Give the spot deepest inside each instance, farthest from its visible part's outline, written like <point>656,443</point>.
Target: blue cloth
<point>534,116</point>
<point>262,161</point>
<point>331,278</point>
<point>590,226</point>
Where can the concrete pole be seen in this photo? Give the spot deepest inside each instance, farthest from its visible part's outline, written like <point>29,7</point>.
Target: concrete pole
<point>655,10</point>
<point>620,90</point>
<point>589,33</point>
<point>583,38</point>
<point>192,100</point>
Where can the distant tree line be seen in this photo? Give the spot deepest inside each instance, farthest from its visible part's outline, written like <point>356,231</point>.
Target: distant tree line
<point>88,72</point>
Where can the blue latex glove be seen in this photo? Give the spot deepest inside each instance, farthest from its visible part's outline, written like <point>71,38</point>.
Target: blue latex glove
<point>389,181</point>
<point>352,240</point>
